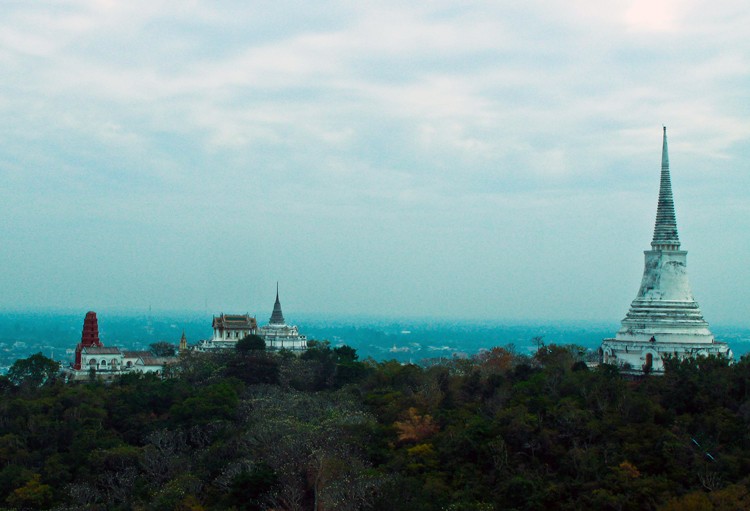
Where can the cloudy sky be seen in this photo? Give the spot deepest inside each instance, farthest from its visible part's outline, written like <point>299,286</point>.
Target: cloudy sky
<point>447,159</point>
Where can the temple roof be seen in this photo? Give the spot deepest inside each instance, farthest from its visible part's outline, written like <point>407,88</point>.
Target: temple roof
<point>100,350</point>
<point>157,361</point>
<point>665,230</point>
<point>235,321</point>
<point>136,354</point>
<point>277,318</point>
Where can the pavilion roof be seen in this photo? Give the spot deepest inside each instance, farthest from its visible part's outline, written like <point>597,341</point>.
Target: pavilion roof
<point>136,354</point>
<point>101,350</point>
<point>158,361</point>
<point>235,321</point>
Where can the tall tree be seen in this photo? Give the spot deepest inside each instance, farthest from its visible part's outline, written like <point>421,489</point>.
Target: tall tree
<point>34,371</point>
<point>250,342</point>
<point>163,349</point>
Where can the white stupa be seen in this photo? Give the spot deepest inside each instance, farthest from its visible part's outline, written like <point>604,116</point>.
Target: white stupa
<point>664,319</point>
<point>278,335</point>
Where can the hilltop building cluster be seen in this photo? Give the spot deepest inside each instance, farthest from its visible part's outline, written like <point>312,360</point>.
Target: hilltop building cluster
<point>108,362</point>
<point>228,329</point>
<point>664,319</point>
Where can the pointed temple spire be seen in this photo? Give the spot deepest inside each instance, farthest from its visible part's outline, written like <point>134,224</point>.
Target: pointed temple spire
<point>664,320</point>
<point>277,318</point>
<point>665,230</point>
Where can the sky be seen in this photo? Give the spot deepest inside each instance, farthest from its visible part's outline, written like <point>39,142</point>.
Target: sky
<point>438,159</point>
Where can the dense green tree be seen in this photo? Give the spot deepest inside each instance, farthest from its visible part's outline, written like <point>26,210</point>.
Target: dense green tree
<point>346,354</point>
<point>318,350</point>
<point>252,370</point>
<point>249,343</point>
<point>33,371</point>
<point>163,349</point>
<point>5,384</point>
<point>253,490</point>
<point>32,495</point>
<point>216,402</point>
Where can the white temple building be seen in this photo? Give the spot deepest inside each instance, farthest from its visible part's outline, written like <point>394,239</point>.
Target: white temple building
<point>93,359</point>
<point>228,329</point>
<point>664,319</point>
<point>278,335</point>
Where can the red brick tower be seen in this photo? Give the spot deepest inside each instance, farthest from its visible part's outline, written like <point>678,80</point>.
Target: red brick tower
<point>90,336</point>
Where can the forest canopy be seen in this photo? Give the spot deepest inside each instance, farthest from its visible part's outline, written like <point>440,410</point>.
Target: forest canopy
<point>259,430</point>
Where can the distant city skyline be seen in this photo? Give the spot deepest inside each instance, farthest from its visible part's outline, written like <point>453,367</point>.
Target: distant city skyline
<point>467,160</point>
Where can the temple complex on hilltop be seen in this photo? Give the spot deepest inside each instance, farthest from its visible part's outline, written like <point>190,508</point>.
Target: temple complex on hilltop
<point>664,319</point>
<point>92,358</point>
<point>228,329</point>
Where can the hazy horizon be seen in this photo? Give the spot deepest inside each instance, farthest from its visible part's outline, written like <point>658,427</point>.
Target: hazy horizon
<point>402,339</point>
<point>333,320</point>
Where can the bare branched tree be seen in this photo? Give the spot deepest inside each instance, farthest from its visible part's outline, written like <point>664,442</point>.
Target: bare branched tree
<point>302,437</point>
<point>83,493</point>
<point>116,485</point>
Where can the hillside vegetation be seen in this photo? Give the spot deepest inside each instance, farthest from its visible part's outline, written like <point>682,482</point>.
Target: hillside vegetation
<point>252,430</point>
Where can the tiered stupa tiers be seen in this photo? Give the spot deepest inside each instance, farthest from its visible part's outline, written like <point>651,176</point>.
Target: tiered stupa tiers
<point>665,230</point>
<point>89,337</point>
<point>664,319</point>
<point>277,318</point>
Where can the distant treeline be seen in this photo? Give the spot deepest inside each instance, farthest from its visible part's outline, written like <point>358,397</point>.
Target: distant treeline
<point>252,430</point>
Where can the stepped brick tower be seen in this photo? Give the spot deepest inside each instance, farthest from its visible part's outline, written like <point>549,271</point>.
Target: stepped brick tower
<point>89,338</point>
<point>664,319</point>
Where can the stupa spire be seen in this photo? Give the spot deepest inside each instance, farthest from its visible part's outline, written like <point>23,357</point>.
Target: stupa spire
<point>277,318</point>
<point>664,320</point>
<point>665,230</point>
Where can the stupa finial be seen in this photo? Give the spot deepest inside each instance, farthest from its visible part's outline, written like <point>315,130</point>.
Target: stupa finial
<point>277,318</point>
<point>665,230</point>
